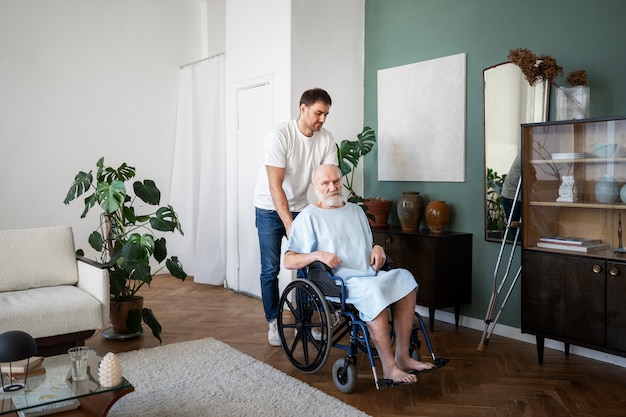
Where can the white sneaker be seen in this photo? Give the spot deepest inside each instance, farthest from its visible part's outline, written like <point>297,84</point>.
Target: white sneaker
<point>273,338</point>
<point>314,332</point>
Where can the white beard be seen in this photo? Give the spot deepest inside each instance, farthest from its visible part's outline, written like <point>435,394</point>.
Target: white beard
<point>335,200</point>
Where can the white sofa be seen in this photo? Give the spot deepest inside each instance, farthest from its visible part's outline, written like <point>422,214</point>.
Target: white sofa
<point>46,292</point>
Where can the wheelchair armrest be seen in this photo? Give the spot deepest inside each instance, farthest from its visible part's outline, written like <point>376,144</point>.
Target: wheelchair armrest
<point>387,265</point>
<point>321,275</point>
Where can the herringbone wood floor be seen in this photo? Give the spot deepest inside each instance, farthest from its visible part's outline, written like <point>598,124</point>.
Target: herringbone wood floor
<point>503,380</point>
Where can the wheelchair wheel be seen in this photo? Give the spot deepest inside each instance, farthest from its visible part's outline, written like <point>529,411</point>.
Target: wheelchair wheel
<point>344,375</point>
<point>304,325</point>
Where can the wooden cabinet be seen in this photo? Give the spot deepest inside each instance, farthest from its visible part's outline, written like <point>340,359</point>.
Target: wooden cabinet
<point>441,264</point>
<point>573,262</point>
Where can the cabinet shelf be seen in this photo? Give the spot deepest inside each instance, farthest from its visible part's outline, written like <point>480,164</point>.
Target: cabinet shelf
<point>580,204</point>
<point>587,160</point>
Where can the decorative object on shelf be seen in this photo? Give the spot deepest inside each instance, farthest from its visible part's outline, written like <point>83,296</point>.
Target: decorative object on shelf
<point>410,210</point>
<point>567,190</point>
<point>603,150</point>
<point>377,210</point>
<point>620,248</point>
<point>607,190</point>
<point>572,103</point>
<point>622,194</point>
<point>437,216</point>
<point>536,69</point>
<point>15,346</point>
<point>110,370</point>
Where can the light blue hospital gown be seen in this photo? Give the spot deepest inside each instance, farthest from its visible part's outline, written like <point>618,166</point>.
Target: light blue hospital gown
<point>338,231</point>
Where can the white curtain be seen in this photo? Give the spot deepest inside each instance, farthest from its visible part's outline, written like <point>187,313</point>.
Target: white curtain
<point>198,192</point>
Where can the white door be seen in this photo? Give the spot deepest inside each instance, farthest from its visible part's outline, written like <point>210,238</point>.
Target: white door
<point>255,118</point>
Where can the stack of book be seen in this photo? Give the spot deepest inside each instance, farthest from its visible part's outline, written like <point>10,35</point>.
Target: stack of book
<point>576,244</point>
<point>34,366</point>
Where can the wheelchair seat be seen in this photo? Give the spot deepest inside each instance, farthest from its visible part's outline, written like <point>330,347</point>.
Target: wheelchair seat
<point>313,316</point>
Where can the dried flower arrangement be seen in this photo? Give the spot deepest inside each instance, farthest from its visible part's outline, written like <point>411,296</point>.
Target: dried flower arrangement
<point>536,69</point>
<point>576,78</point>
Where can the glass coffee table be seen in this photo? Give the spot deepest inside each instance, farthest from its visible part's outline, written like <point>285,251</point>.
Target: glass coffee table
<point>56,387</point>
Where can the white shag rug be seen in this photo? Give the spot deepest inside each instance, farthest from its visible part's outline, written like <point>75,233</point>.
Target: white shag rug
<point>209,378</point>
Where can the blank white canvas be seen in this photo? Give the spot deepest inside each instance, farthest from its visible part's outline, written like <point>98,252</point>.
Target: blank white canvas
<point>421,121</point>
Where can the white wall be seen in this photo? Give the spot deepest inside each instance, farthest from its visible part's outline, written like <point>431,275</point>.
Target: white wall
<point>81,79</point>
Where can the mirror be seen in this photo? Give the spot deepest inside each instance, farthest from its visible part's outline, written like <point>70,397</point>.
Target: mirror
<point>508,102</point>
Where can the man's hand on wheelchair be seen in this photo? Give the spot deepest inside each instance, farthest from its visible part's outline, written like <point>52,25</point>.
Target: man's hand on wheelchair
<point>329,259</point>
<point>378,257</point>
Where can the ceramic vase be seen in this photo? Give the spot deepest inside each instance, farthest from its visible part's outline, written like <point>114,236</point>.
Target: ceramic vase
<point>437,216</point>
<point>622,194</point>
<point>607,190</point>
<point>410,210</point>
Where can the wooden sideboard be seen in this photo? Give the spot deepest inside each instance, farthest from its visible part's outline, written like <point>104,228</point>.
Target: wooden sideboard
<point>441,264</point>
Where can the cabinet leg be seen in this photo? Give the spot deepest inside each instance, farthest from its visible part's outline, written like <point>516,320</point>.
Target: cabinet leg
<point>540,344</point>
<point>457,314</point>
<point>566,349</point>
<point>431,318</point>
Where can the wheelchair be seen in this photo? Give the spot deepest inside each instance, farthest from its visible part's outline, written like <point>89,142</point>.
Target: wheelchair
<point>313,317</point>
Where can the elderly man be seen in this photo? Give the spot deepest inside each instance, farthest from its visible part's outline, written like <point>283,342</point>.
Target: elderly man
<point>337,233</point>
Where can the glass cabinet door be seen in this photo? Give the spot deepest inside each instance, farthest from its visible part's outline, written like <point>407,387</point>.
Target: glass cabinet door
<point>574,187</point>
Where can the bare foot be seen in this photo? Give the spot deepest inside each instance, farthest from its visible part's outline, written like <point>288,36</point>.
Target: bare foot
<point>397,375</point>
<point>410,364</point>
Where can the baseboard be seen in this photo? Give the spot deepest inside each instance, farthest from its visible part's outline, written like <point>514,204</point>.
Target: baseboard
<point>516,334</point>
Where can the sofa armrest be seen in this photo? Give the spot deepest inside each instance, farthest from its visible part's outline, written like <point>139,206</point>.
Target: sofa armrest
<point>93,278</point>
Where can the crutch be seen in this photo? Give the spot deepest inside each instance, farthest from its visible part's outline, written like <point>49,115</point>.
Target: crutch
<point>490,322</point>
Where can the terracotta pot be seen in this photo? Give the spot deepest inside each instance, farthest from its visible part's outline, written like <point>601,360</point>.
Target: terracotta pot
<point>380,209</point>
<point>118,313</point>
<point>437,216</point>
<point>410,210</point>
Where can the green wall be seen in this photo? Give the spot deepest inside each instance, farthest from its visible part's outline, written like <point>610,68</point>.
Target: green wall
<point>579,34</point>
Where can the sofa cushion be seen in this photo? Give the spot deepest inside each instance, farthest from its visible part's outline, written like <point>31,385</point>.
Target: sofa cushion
<point>49,311</point>
<point>32,258</point>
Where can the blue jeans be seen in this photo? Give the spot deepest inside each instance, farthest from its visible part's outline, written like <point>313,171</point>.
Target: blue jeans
<point>271,230</point>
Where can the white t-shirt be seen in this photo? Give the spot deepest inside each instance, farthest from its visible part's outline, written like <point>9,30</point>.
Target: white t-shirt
<point>286,147</point>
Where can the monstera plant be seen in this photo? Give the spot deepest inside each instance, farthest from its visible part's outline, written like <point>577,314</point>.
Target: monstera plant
<point>349,153</point>
<point>126,238</point>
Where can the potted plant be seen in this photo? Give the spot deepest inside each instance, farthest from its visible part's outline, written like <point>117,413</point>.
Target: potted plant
<point>349,153</point>
<point>126,239</point>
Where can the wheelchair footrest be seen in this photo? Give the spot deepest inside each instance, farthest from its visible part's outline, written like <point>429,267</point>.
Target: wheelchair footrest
<point>385,383</point>
<point>439,362</point>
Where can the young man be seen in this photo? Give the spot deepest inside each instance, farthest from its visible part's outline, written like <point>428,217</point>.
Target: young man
<point>338,234</point>
<point>292,151</point>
